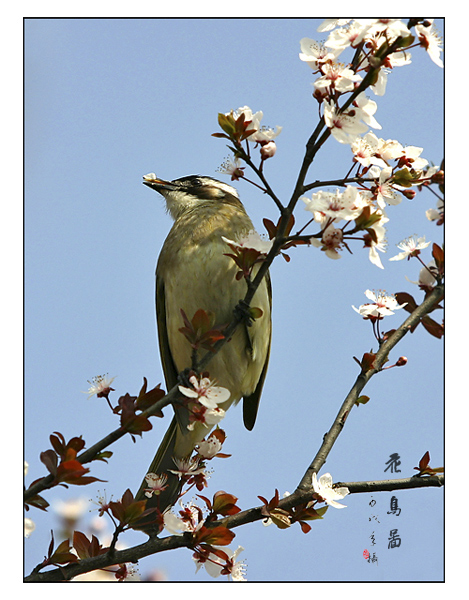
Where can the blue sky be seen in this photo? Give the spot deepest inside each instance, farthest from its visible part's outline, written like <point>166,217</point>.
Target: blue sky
<point>107,101</point>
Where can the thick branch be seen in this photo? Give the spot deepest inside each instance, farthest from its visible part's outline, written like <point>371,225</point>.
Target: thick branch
<point>156,545</point>
<point>359,487</point>
<point>389,485</point>
<point>380,358</point>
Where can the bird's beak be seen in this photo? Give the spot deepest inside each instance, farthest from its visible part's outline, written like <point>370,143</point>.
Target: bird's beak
<point>157,184</point>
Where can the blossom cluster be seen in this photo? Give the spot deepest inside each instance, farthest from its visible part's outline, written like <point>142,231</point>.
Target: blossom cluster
<point>189,518</point>
<point>329,208</point>
<point>372,37</point>
<point>387,169</point>
<point>191,470</point>
<point>262,135</point>
<point>244,125</point>
<point>203,399</point>
<point>217,559</point>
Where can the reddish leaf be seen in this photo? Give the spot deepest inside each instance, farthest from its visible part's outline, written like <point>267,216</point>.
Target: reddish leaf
<point>218,536</point>
<point>367,361</point>
<point>280,518</point>
<point>225,504</point>
<point>198,332</point>
<point>77,444</point>
<point>49,459</point>
<point>439,256</point>
<point>58,443</point>
<point>424,466</point>
<point>73,472</point>
<point>38,502</point>
<point>219,434</point>
<point>201,321</point>
<point>305,528</point>
<point>127,510</point>
<point>404,297</point>
<point>207,502</point>
<point>424,461</point>
<point>137,425</point>
<point>434,328</point>
<point>63,554</point>
<point>271,228</point>
<point>86,548</point>
<point>147,399</point>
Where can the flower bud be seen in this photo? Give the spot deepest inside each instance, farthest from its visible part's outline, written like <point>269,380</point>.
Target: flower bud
<point>268,150</point>
<point>409,194</point>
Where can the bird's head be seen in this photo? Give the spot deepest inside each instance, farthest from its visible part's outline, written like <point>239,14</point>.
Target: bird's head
<point>186,193</point>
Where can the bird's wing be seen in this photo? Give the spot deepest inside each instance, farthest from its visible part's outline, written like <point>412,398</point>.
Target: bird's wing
<point>251,403</point>
<point>163,460</point>
<point>169,368</point>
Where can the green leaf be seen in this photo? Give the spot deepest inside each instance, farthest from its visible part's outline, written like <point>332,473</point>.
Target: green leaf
<point>362,400</point>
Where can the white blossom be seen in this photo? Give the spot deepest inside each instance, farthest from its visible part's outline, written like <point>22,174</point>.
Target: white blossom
<point>386,194</point>
<point>206,392</point>
<point>265,135</point>
<point>190,519</point>
<point>427,275</point>
<point>156,484</point>
<point>251,240</point>
<point>209,448</point>
<point>324,488</point>
<point>350,35</point>
<point>389,29</point>
<point>380,243</point>
<point>329,24</point>
<point>29,527</point>
<point>338,77</point>
<point>346,126</point>
<point>72,509</point>
<point>365,150</point>
<point>431,41</point>
<point>262,133</point>
<point>214,565</point>
<point>315,54</point>
<point>338,205</point>
<point>410,246</point>
<point>231,167</point>
<point>330,242</point>
<point>368,108</point>
<point>382,305</point>
<point>100,385</point>
<point>437,213</point>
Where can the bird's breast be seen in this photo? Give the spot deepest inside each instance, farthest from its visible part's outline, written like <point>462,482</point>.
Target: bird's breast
<point>197,274</point>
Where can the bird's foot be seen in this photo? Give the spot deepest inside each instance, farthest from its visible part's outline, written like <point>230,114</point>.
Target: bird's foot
<point>243,312</point>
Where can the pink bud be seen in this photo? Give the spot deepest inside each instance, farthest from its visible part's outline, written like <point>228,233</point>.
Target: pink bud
<point>410,194</point>
<point>268,150</point>
<point>401,361</point>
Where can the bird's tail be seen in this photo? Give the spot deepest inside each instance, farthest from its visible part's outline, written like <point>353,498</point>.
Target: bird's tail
<point>161,465</point>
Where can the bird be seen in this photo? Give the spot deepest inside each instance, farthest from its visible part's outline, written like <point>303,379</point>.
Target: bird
<point>194,272</point>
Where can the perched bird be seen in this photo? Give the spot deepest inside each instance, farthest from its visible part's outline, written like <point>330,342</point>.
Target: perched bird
<point>193,272</point>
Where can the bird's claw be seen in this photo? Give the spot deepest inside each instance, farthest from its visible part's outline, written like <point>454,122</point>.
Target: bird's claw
<point>242,312</point>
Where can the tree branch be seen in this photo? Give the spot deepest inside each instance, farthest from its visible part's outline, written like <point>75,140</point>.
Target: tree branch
<point>380,358</point>
<point>156,545</point>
